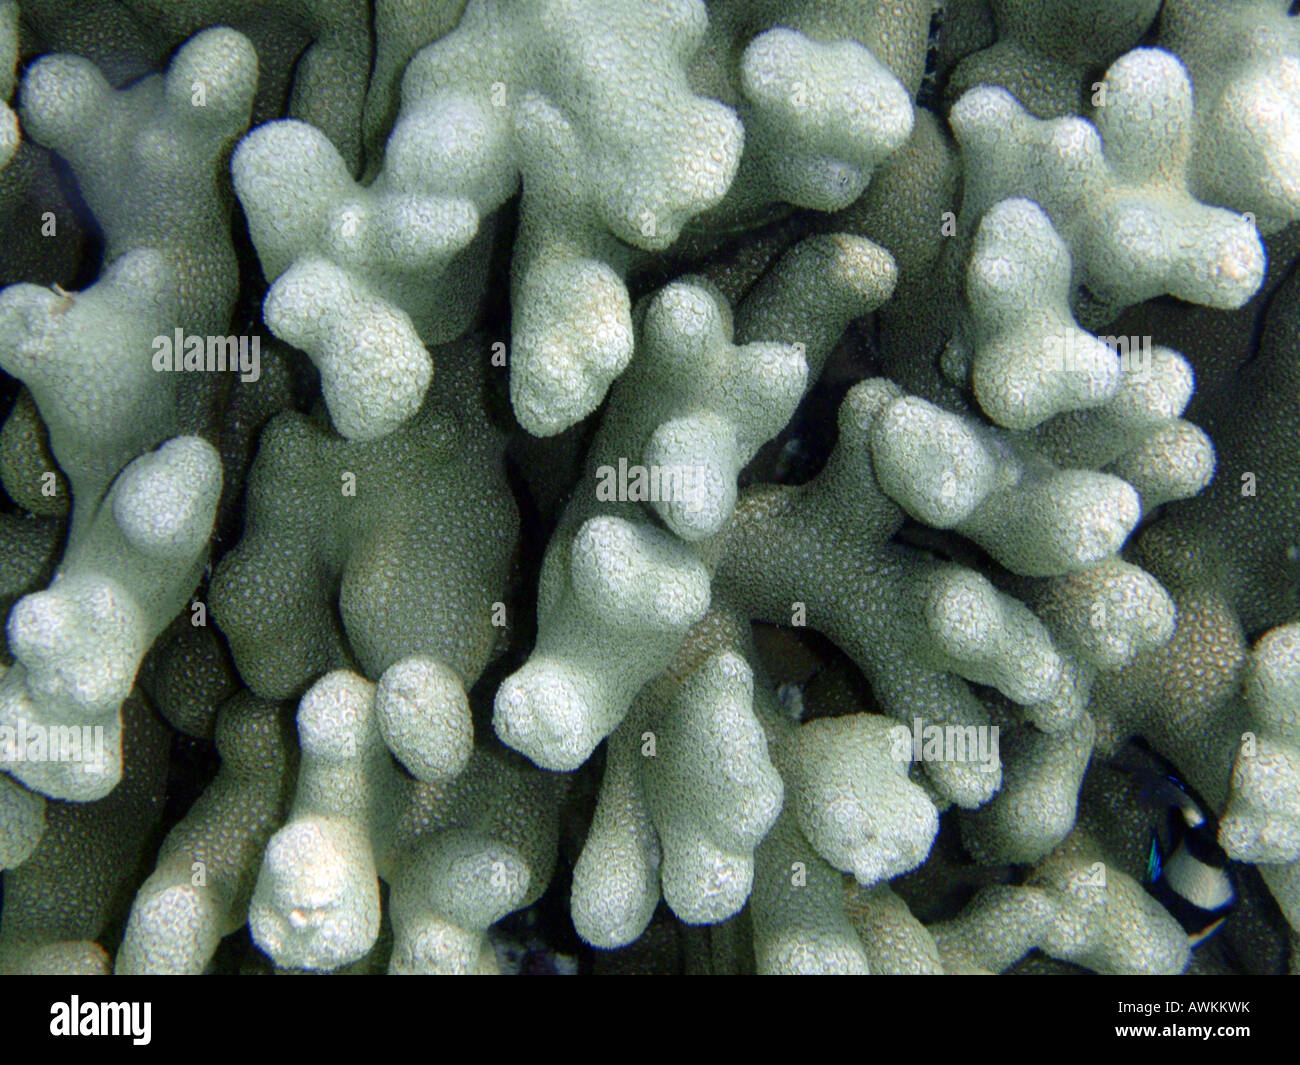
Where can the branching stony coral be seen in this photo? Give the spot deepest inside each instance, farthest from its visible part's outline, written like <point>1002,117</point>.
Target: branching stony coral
<point>61,898</point>
<point>164,271</point>
<point>672,418</point>
<point>338,562</point>
<point>509,95</point>
<point>823,91</point>
<point>458,858</point>
<point>1044,51</point>
<point>208,865</point>
<point>9,56</point>
<point>1242,60</point>
<point>78,644</point>
<point>315,54</point>
<point>612,583</point>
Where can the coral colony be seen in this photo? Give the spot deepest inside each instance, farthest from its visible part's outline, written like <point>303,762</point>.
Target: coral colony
<point>779,486</point>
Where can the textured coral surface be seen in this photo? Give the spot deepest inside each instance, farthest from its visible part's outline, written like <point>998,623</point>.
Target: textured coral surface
<point>662,486</point>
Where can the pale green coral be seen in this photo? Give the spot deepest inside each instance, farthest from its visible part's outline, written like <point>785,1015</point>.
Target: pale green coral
<point>688,794</point>
<point>79,644</point>
<point>824,92</point>
<point>1044,50</point>
<point>104,405</point>
<point>336,566</point>
<point>59,901</point>
<point>457,858</point>
<point>1244,60</point>
<point>614,588</point>
<point>867,691</point>
<point>206,869</point>
<point>8,64</point>
<point>503,99</point>
<point>1261,822</point>
<point>1116,188</point>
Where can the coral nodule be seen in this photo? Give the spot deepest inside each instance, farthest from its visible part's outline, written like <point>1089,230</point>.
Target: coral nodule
<point>736,486</point>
